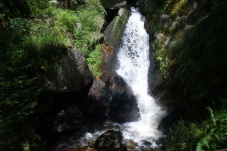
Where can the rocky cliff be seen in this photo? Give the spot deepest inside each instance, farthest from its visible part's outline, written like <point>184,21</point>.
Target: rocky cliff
<point>188,42</point>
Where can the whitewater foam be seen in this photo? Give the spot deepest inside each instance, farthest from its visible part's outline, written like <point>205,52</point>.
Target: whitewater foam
<point>133,58</point>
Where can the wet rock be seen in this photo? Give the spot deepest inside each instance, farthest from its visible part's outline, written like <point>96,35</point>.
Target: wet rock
<point>110,141</point>
<point>100,97</point>
<point>71,73</point>
<point>160,37</point>
<point>115,29</point>
<point>106,55</point>
<point>123,106</point>
<point>81,149</point>
<point>112,99</point>
<point>130,145</point>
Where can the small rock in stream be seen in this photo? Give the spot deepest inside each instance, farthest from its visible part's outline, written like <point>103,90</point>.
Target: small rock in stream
<point>110,141</point>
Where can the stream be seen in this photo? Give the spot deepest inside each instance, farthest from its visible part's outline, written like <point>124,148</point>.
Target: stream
<point>133,66</point>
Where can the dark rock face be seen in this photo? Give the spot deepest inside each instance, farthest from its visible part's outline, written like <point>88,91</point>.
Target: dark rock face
<point>61,112</point>
<point>110,141</point>
<point>72,74</point>
<point>111,98</point>
<point>116,4</point>
<point>123,105</point>
<point>167,122</point>
<point>72,3</point>
<point>100,98</point>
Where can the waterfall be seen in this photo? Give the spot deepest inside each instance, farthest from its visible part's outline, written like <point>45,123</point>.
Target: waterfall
<point>133,59</point>
<point>133,67</point>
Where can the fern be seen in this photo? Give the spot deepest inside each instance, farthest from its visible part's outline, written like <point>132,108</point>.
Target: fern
<point>203,144</point>
<point>212,115</point>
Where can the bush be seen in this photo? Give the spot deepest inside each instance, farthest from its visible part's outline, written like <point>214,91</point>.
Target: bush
<point>210,134</point>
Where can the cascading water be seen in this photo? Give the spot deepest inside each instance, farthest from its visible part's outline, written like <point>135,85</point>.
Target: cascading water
<point>133,58</point>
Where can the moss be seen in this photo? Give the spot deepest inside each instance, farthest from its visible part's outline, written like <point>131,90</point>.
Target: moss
<point>94,61</point>
<point>175,7</point>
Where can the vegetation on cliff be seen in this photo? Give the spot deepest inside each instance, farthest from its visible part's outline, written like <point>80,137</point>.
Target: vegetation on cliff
<point>34,35</point>
<point>189,41</point>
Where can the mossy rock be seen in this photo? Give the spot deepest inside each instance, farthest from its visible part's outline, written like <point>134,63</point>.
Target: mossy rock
<point>115,29</point>
<point>110,141</point>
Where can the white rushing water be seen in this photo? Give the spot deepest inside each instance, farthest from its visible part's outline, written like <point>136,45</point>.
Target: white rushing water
<point>133,58</point>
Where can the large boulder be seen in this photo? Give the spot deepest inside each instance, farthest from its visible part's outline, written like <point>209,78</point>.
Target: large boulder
<point>116,4</point>
<point>71,73</point>
<point>112,99</point>
<point>111,141</point>
<point>123,105</point>
<point>115,29</point>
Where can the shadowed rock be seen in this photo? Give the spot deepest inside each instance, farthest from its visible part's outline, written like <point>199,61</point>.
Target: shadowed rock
<point>100,98</point>
<point>112,99</point>
<point>71,74</point>
<point>123,105</point>
<point>116,4</point>
<point>67,120</point>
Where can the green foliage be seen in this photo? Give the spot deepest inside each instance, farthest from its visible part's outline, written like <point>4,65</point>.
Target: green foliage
<point>14,9</point>
<point>87,31</point>
<point>94,61</point>
<point>65,18</point>
<point>37,6</point>
<point>21,9</point>
<point>162,62</point>
<point>200,64</point>
<point>19,25</point>
<point>195,60</point>
<point>208,135</point>
<point>154,7</point>
<point>34,36</point>
<point>81,24</point>
<point>19,91</point>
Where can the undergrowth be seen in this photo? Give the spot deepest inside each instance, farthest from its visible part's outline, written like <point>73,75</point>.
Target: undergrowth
<point>34,36</point>
<point>94,62</point>
<point>210,134</point>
